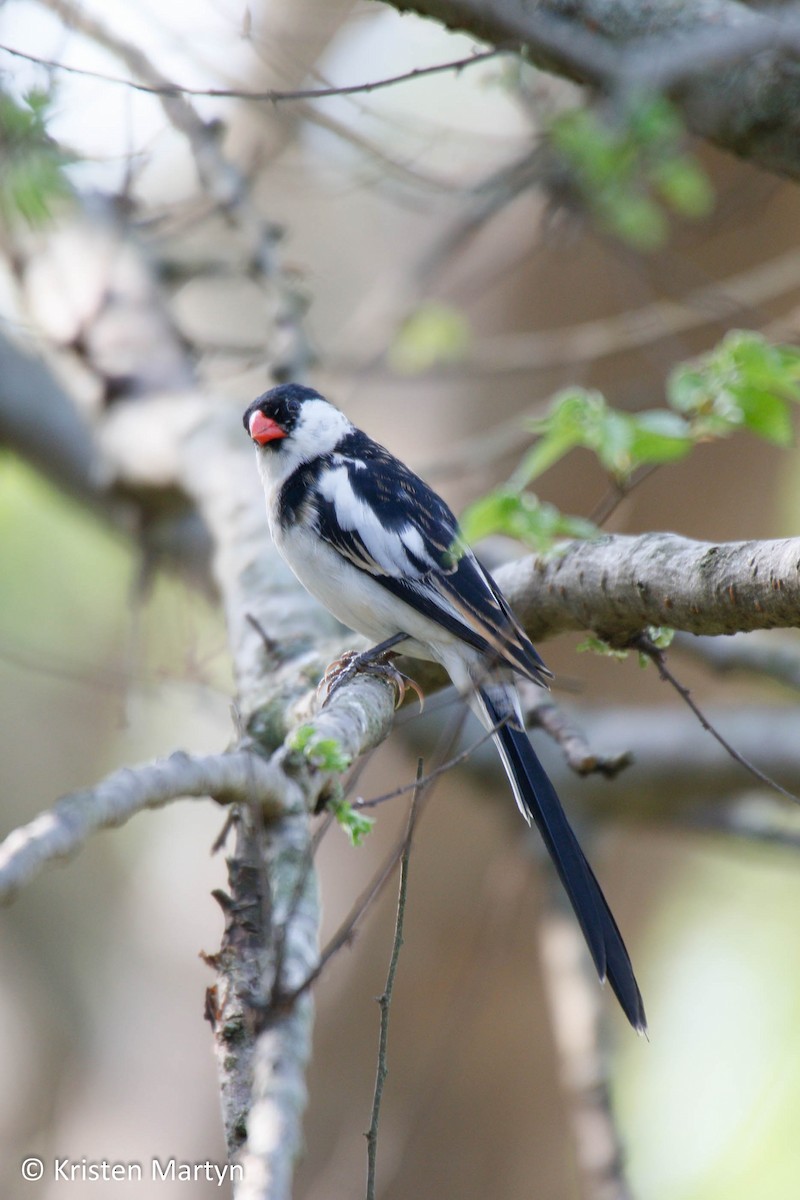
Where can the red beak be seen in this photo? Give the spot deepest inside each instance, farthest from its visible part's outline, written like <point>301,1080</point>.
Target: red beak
<point>264,429</point>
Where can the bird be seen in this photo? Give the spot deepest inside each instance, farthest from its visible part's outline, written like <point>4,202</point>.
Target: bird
<point>384,554</point>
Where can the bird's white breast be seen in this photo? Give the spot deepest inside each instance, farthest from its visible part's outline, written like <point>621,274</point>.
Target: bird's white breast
<point>352,596</point>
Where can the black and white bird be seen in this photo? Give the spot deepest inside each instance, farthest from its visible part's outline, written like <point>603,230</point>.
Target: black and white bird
<point>370,540</point>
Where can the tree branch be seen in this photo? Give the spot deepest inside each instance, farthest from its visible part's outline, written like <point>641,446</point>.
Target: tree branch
<point>751,107</point>
<point>59,833</point>
<point>271,95</point>
<point>357,718</point>
<point>658,658</point>
<point>617,585</point>
<point>40,422</point>
<point>385,1000</point>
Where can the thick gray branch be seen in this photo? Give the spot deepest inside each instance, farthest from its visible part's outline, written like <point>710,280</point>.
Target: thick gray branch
<point>733,70</point>
<point>60,832</point>
<point>39,421</point>
<point>617,585</point>
<point>262,1047</point>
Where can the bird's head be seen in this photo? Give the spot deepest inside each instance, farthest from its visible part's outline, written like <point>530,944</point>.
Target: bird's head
<point>293,424</point>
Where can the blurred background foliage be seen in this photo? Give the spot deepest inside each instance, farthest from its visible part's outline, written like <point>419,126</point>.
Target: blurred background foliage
<point>461,239</point>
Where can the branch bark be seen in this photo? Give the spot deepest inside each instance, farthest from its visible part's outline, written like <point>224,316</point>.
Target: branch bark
<point>732,70</point>
<point>40,422</point>
<point>58,834</point>
<point>617,585</point>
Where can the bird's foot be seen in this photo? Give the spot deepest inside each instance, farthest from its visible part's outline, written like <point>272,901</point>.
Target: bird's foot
<point>353,663</point>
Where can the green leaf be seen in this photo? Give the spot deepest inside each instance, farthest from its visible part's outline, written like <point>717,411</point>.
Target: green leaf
<point>327,754</point>
<point>356,825</point>
<point>596,645</point>
<point>659,436</point>
<point>688,390</point>
<point>434,333</point>
<point>301,738</point>
<point>637,220</point>
<point>622,441</point>
<point>613,443</point>
<point>324,753</point>
<point>574,418</point>
<point>661,636</point>
<point>626,169</point>
<point>32,175</point>
<point>744,382</point>
<point>493,513</point>
<point>684,186</point>
<point>760,364</point>
<point>524,517</point>
<point>655,122</point>
<point>767,415</point>
<point>544,454</point>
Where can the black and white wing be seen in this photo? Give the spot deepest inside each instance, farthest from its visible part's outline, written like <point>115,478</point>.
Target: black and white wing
<point>388,523</point>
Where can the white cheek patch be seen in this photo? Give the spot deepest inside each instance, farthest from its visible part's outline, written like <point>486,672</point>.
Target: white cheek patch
<point>319,429</point>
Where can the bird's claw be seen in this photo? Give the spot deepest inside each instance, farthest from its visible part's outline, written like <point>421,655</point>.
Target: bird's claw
<point>352,663</point>
<point>402,683</point>
<point>336,674</point>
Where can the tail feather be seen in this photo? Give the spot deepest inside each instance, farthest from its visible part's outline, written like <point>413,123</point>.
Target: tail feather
<point>537,799</point>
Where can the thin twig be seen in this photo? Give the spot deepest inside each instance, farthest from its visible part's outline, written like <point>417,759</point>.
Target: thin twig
<point>385,1001</point>
<point>571,740</point>
<point>456,761</point>
<point>657,656</point>
<point>346,931</point>
<point>270,95</point>
<point>619,492</point>
<point>270,645</point>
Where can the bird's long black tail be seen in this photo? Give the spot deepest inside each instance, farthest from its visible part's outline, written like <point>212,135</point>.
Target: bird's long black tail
<point>537,799</point>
